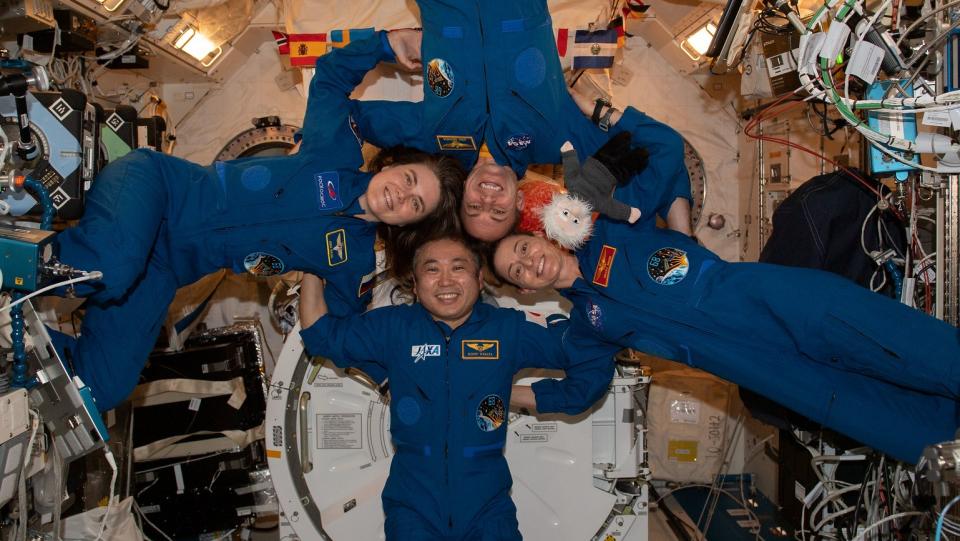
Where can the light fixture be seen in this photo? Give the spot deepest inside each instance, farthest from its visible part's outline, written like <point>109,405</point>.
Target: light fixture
<point>697,43</point>
<point>195,44</point>
<point>110,5</point>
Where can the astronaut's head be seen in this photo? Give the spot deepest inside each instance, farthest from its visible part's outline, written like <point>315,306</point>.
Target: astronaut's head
<point>447,279</point>
<point>491,202</point>
<point>532,262</point>
<point>409,186</point>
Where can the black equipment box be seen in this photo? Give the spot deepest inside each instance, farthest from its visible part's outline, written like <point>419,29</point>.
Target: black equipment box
<point>204,486</point>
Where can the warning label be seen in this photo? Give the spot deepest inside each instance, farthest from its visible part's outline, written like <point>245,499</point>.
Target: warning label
<point>542,427</point>
<point>339,431</point>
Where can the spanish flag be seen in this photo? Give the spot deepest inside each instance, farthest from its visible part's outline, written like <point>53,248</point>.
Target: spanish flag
<point>306,48</point>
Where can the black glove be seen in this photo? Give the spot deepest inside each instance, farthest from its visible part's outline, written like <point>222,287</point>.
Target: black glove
<point>595,180</point>
<point>620,159</point>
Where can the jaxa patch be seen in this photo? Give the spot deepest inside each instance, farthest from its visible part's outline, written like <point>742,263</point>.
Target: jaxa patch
<point>456,142</point>
<point>484,350</point>
<point>355,128</point>
<point>601,275</point>
<point>667,266</point>
<point>422,351</point>
<point>519,141</point>
<point>440,77</point>
<point>490,413</point>
<point>336,247</point>
<point>328,190</point>
<point>263,264</point>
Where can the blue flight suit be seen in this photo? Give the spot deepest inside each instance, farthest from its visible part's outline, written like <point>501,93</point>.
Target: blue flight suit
<point>448,413</point>
<point>492,73</point>
<point>154,223</point>
<point>843,356</point>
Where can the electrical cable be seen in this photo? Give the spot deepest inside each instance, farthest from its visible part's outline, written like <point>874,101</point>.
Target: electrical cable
<point>108,455</point>
<point>93,275</point>
<point>862,535</point>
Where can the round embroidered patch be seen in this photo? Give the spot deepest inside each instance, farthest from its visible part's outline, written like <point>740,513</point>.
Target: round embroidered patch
<point>440,77</point>
<point>667,266</point>
<point>530,68</point>
<point>263,264</point>
<point>408,410</point>
<point>255,178</point>
<point>490,413</point>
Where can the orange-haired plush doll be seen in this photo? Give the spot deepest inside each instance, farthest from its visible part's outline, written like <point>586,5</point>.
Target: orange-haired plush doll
<point>567,216</point>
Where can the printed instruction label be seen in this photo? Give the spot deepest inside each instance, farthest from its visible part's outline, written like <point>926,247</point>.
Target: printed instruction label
<point>542,427</point>
<point>685,411</point>
<point>534,438</point>
<point>339,431</point>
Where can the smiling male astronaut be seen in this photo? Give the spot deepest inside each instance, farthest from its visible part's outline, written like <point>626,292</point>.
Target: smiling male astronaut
<point>451,361</point>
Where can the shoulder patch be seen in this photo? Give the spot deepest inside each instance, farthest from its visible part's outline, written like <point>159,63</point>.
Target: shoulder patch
<point>491,413</point>
<point>336,247</point>
<point>601,276</point>
<point>484,350</point>
<point>328,190</point>
<point>668,266</point>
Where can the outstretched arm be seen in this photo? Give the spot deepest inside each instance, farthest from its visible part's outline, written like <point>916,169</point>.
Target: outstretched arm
<point>588,371</point>
<point>337,74</point>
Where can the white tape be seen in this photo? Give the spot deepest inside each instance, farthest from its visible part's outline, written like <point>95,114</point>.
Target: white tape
<point>178,475</point>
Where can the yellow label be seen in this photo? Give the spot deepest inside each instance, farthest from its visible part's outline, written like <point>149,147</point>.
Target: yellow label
<point>682,450</point>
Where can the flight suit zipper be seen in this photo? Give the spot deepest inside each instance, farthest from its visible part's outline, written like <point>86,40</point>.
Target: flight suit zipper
<point>446,441</point>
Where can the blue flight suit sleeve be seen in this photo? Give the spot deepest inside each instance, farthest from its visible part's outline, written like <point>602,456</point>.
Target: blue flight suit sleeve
<point>387,124</point>
<point>326,124</point>
<point>665,178</point>
<point>342,296</point>
<point>356,340</point>
<point>587,379</point>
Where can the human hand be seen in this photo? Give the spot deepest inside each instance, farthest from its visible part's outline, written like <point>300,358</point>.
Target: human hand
<point>405,43</point>
<point>523,399</point>
<point>584,102</point>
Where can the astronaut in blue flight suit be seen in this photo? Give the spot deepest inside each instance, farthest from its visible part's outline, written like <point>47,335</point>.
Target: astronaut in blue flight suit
<point>154,223</point>
<point>451,361</point>
<point>492,74</point>
<point>855,361</point>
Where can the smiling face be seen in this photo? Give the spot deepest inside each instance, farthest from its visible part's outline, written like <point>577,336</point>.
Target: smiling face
<point>490,202</point>
<point>528,262</point>
<point>447,280</point>
<point>403,194</point>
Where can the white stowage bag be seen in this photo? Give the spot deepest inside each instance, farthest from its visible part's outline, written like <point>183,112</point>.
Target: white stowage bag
<point>121,525</point>
<point>688,416</point>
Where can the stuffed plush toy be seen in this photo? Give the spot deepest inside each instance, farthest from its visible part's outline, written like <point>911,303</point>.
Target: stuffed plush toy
<point>566,215</point>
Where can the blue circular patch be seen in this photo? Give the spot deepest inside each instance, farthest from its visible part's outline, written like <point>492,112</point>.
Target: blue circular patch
<point>530,68</point>
<point>255,178</point>
<point>263,264</point>
<point>667,266</point>
<point>408,410</point>
<point>440,77</point>
<point>490,413</point>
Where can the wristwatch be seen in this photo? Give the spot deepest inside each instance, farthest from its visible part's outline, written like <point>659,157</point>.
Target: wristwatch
<point>600,103</point>
<point>602,120</point>
<point>605,119</point>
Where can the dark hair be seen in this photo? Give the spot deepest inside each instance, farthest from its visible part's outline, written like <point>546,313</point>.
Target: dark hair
<point>401,242</point>
<point>405,273</point>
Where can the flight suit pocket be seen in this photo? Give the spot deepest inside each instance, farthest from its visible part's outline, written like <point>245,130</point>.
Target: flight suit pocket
<point>849,348</point>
